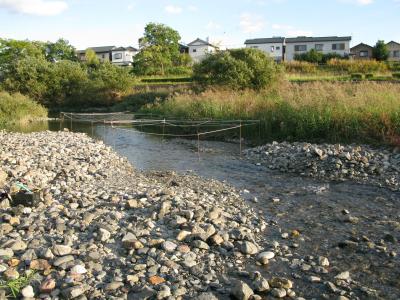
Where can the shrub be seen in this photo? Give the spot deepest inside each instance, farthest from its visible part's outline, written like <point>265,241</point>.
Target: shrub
<point>317,57</point>
<point>356,76</point>
<point>238,69</point>
<point>356,66</point>
<point>300,67</point>
<point>396,75</point>
<point>369,76</point>
<point>16,108</point>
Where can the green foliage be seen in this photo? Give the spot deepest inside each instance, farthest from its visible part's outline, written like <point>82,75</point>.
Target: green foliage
<point>60,50</point>
<point>91,58</point>
<point>16,108</point>
<point>356,66</point>
<point>314,56</point>
<point>380,51</point>
<point>238,69</point>
<point>396,75</point>
<point>369,76</point>
<point>356,76</point>
<point>300,67</point>
<point>159,51</point>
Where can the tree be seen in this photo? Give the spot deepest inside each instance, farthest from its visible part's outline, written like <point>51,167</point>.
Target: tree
<point>91,58</point>
<point>238,69</point>
<point>60,50</point>
<point>380,51</point>
<point>159,49</point>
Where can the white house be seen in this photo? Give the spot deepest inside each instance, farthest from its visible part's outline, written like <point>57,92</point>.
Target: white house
<point>123,56</point>
<point>326,45</point>
<point>273,46</point>
<point>103,53</point>
<point>198,49</point>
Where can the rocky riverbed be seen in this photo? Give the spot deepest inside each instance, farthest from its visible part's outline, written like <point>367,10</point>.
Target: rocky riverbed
<point>363,164</point>
<point>102,230</point>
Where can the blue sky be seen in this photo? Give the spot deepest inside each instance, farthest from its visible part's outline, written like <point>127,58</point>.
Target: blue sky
<point>227,22</point>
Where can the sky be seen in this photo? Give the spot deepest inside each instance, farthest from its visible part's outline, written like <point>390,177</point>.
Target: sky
<point>228,23</point>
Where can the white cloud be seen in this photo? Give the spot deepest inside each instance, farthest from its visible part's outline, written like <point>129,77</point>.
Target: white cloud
<point>291,31</point>
<point>358,2</point>
<point>173,9</point>
<point>131,6</point>
<point>250,23</point>
<point>192,8</point>
<point>35,7</point>
<point>213,26</point>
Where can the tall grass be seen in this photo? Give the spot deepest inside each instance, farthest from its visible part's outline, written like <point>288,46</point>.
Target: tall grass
<point>17,109</point>
<point>319,111</point>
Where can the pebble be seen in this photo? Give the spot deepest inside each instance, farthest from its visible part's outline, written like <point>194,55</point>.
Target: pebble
<point>28,292</point>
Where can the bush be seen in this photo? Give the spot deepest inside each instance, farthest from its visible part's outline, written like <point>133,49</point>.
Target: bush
<point>396,75</point>
<point>300,67</point>
<point>369,76</point>
<point>356,66</point>
<point>356,76</point>
<point>16,108</point>
<point>238,69</point>
<point>317,57</point>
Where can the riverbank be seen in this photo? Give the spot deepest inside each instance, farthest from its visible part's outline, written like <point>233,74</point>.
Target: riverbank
<point>345,112</point>
<point>363,164</point>
<point>105,230</point>
<point>18,109</point>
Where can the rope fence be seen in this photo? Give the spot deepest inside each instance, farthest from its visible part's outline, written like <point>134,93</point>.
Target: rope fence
<point>121,120</point>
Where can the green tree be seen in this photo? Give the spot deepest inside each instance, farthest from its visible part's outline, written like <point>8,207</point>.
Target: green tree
<point>60,50</point>
<point>91,58</point>
<point>238,69</point>
<point>159,49</point>
<point>380,51</point>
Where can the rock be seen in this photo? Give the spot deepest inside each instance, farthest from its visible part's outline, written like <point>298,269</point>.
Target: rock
<point>278,292</point>
<point>343,276</point>
<point>39,265</point>
<point>241,291</point>
<point>130,242</point>
<point>260,284</point>
<point>280,282</point>
<point>248,248</point>
<point>206,296</point>
<point>169,246</point>
<point>164,292</point>
<point>104,234</point>
<point>164,209</point>
<point>11,274</point>
<point>73,292</point>
<point>78,269</point>
<point>156,280</point>
<point>216,239</point>
<point>3,177</point>
<point>323,261</point>
<point>61,250</point>
<point>62,260</point>
<point>200,244</point>
<point>144,294</point>
<point>112,286</point>
<point>264,257</point>
<point>182,235</point>
<point>48,286</point>
<point>6,253</point>
<point>28,292</point>
<point>17,245</point>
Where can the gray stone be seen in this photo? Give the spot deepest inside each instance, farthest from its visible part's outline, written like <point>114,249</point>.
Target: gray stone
<point>241,291</point>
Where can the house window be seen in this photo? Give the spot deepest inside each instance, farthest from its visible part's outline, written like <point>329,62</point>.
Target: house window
<point>396,53</point>
<point>278,48</point>
<point>255,47</point>
<point>117,55</point>
<point>194,50</point>
<point>363,54</point>
<point>102,56</point>
<point>298,48</point>
<point>340,46</point>
<point>319,47</point>
<point>272,48</point>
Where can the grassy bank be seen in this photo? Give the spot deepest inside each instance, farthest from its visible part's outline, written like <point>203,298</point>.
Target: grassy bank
<point>319,111</point>
<point>18,109</point>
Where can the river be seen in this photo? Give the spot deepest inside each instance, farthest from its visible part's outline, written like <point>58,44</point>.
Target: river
<point>315,209</point>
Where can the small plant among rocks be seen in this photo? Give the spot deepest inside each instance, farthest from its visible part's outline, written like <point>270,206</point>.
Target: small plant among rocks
<point>15,286</point>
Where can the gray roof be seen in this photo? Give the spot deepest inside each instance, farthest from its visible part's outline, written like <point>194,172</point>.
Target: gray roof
<point>265,40</point>
<point>361,45</point>
<point>305,39</point>
<point>98,49</point>
<point>201,41</point>
<point>393,42</point>
<point>124,49</point>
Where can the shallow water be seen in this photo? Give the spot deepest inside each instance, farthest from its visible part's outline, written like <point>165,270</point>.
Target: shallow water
<point>312,207</point>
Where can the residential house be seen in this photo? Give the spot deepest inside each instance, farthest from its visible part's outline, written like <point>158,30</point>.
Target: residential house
<point>183,49</point>
<point>275,46</point>
<point>103,53</point>
<point>361,51</point>
<point>198,49</point>
<point>394,51</point>
<point>123,56</point>
<point>326,45</point>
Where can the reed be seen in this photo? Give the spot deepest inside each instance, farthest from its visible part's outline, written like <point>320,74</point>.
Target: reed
<point>318,111</point>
